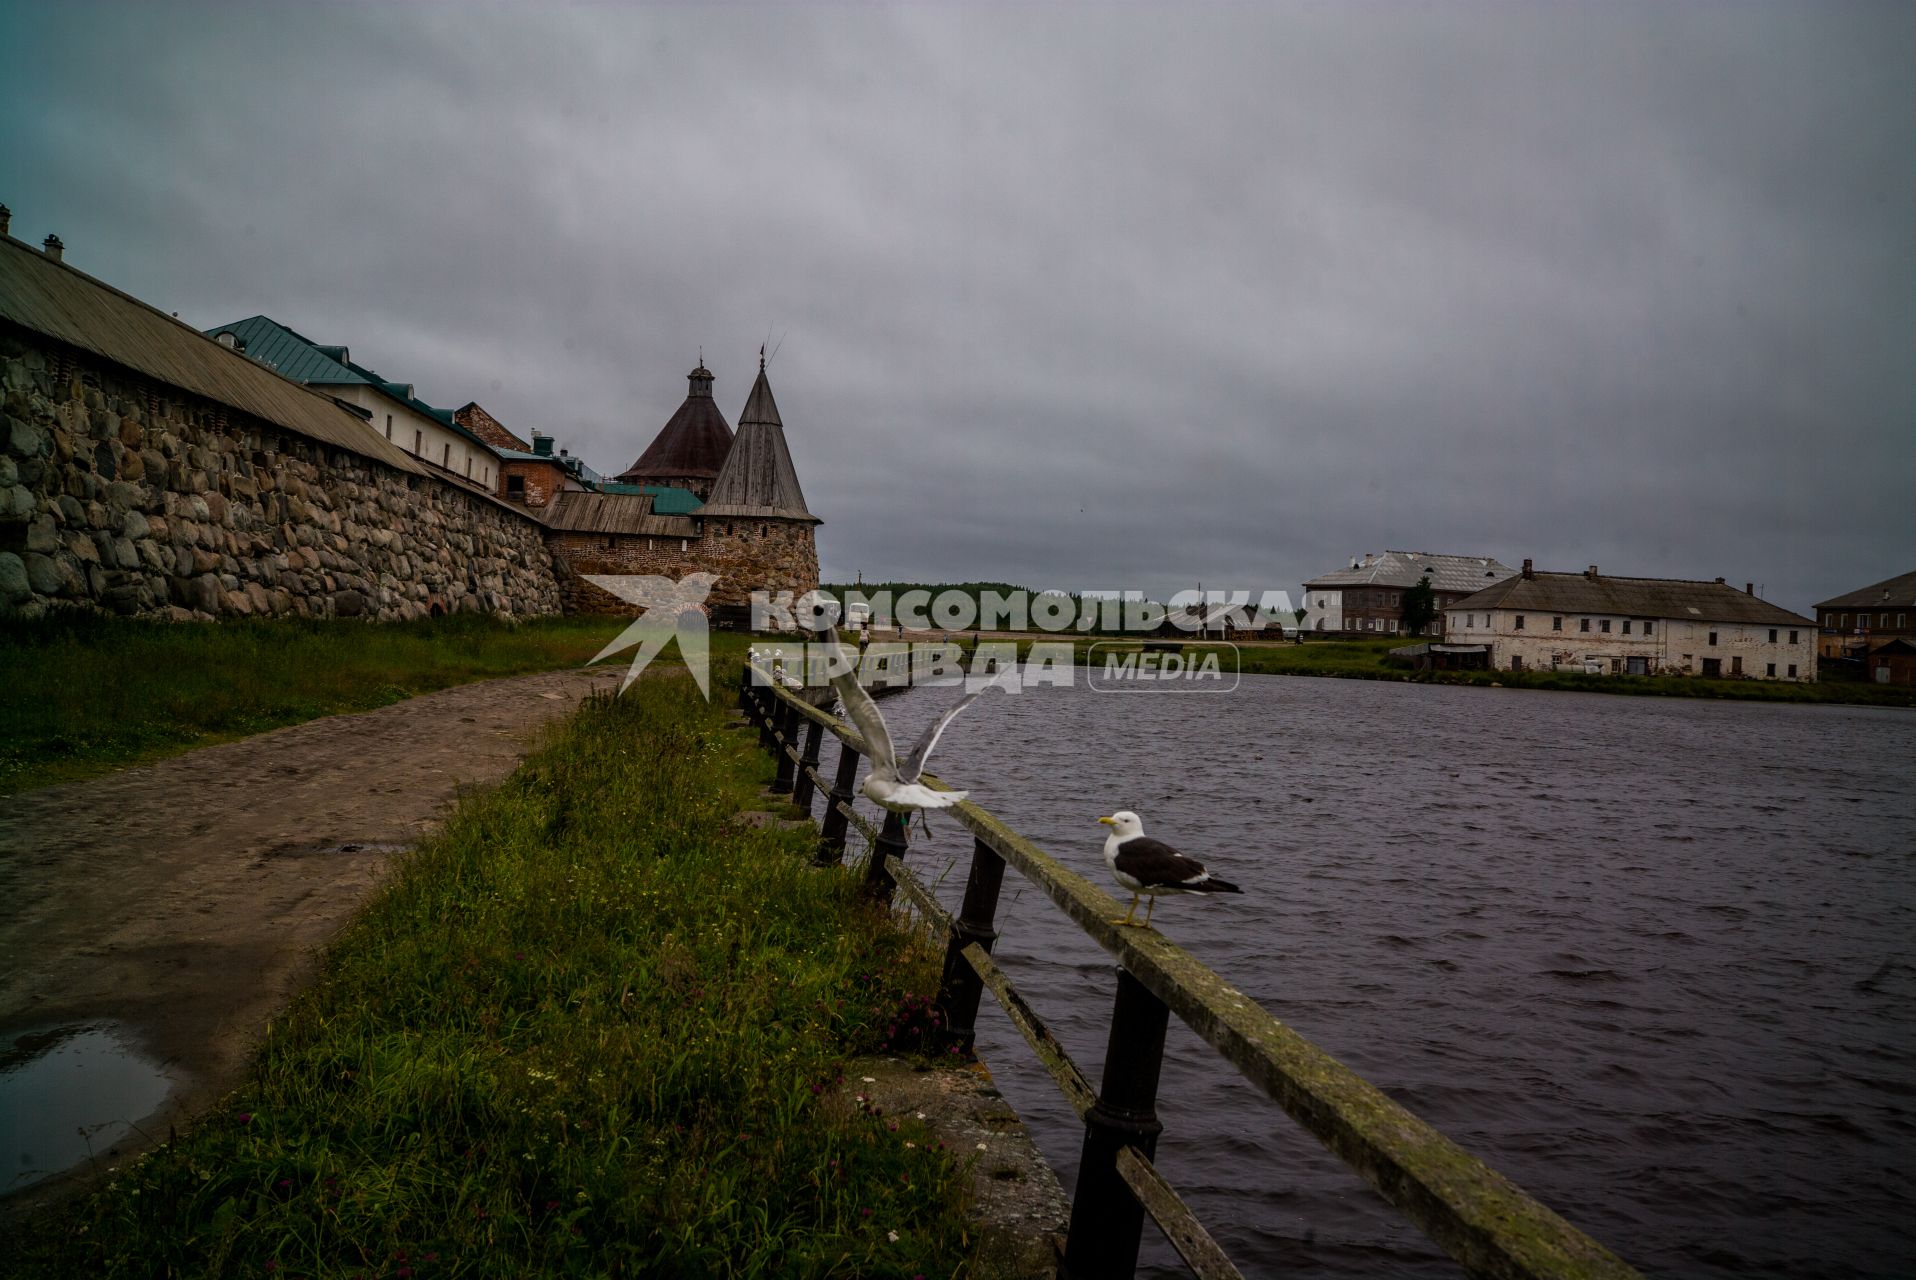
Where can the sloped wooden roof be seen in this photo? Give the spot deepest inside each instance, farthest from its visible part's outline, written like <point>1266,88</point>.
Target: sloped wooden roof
<point>1677,598</point>
<point>693,443</point>
<point>60,302</point>
<point>576,511</point>
<point>758,479</point>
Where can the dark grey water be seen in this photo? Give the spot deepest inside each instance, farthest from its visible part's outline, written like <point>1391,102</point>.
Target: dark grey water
<point>1652,959</point>
<point>69,1094</point>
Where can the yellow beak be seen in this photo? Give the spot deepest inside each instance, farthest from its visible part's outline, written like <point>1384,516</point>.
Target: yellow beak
<point>1109,822</point>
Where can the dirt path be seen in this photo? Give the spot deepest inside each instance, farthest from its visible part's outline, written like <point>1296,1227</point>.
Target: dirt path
<point>186,899</point>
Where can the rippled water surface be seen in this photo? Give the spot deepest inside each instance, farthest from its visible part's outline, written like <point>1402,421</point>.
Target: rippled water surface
<point>1650,958</point>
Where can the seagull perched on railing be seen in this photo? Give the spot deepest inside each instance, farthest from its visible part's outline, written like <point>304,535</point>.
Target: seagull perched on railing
<point>892,783</point>
<point>1151,867</point>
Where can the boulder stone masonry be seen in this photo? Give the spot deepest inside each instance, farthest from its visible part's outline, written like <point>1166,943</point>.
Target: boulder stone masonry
<point>747,555</point>
<point>120,493</point>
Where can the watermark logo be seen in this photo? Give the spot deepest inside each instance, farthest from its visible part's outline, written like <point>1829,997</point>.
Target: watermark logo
<point>671,609</point>
<point>1198,614</point>
<point>1115,666</point>
<point>1126,667</point>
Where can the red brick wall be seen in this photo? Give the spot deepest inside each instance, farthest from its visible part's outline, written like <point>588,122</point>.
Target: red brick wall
<point>488,428</point>
<point>543,479</point>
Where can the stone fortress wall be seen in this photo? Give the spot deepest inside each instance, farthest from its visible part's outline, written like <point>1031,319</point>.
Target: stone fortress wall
<point>122,493</point>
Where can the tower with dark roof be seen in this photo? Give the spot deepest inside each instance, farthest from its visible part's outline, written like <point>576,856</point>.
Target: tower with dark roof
<point>692,446</point>
<point>758,480</point>
<point>758,532</point>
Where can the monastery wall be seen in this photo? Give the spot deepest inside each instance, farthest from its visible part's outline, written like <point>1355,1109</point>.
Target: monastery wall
<point>747,555</point>
<point>121,493</point>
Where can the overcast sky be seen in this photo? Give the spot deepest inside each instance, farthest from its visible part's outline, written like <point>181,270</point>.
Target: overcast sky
<point>1078,296</point>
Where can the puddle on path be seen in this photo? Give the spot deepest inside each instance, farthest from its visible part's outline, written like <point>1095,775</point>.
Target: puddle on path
<point>69,1093</point>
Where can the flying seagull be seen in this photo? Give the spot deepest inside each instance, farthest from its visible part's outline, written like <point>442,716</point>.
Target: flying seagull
<point>1150,867</point>
<point>892,783</point>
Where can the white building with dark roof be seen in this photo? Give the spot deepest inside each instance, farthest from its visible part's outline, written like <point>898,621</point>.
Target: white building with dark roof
<point>1368,597</point>
<point>1633,626</point>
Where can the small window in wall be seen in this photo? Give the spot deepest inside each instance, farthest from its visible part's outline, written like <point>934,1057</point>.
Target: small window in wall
<point>1769,669</point>
<point>515,486</point>
<point>1792,671</point>
<point>1516,662</point>
<point>445,455</point>
<point>418,442</point>
<point>1713,637</point>
<point>1772,641</point>
<point>1649,627</point>
<point>1604,626</point>
<point>1792,637</point>
<point>1626,626</point>
<point>468,466</point>
<point>1583,624</point>
<point>486,478</point>
<point>1900,624</point>
<point>389,426</point>
<point>610,542</point>
<point>1556,624</point>
<point>1520,622</point>
<point>1736,665</point>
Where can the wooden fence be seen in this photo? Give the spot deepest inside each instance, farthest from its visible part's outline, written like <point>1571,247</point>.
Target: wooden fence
<point>1466,1208</point>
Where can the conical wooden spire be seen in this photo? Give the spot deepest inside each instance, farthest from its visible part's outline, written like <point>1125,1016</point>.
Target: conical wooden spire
<point>758,479</point>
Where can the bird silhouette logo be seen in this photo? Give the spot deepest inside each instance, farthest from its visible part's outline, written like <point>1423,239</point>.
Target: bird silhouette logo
<point>671,609</point>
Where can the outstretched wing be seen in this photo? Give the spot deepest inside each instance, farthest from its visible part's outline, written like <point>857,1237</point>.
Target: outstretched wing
<point>859,706</point>
<point>914,764</point>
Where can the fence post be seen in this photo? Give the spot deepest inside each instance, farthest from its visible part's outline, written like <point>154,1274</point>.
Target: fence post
<point>890,843</point>
<point>1106,1219</point>
<point>960,989</point>
<point>766,704</point>
<point>784,742</point>
<point>802,786</point>
<point>831,832</point>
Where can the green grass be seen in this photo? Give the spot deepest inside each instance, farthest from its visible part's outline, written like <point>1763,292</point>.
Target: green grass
<point>595,1027</point>
<point>82,694</point>
<point>1367,660</point>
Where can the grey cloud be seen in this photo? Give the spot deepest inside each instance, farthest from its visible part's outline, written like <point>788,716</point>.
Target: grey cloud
<point>1075,296</point>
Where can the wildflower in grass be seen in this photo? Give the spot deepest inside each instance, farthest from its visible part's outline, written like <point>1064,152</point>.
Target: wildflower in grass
<point>892,1236</point>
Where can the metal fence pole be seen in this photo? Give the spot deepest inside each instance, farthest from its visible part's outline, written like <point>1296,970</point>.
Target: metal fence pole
<point>803,786</point>
<point>784,740</point>
<point>831,832</point>
<point>890,844</point>
<point>960,989</point>
<point>1106,1219</point>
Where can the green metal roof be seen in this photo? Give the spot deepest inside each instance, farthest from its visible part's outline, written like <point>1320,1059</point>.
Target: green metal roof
<point>298,357</point>
<point>666,499</point>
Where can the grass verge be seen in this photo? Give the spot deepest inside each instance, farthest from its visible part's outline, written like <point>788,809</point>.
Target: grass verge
<point>1367,660</point>
<point>594,1027</point>
<point>82,694</point>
